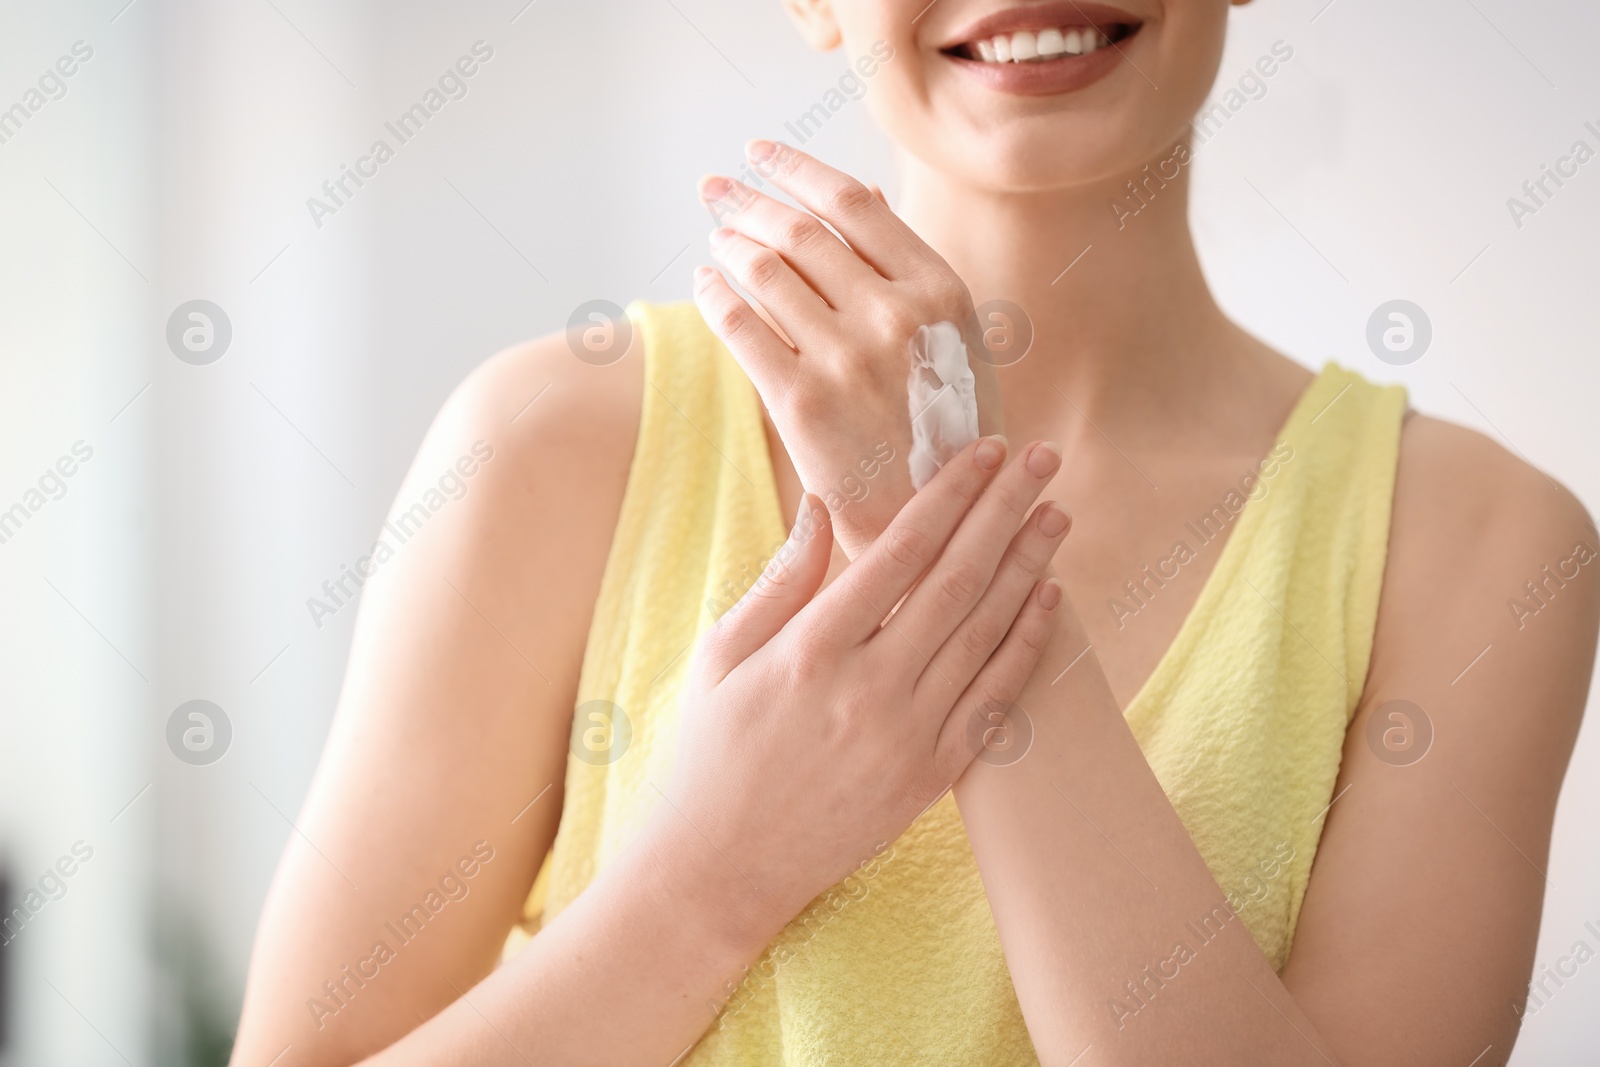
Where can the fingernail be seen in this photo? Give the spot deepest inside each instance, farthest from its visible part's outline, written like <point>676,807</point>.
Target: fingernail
<point>1049,594</point>
<point>760,151</point>
<point>715,187</point>
<point>719,235</point>
<point>702,275</point>
<point>1044,459</point>
<point>990,453</point>
<point>1052,520</point>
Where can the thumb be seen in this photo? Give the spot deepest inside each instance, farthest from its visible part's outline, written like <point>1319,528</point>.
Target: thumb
<point>791,579</point>
<point>878,192</point>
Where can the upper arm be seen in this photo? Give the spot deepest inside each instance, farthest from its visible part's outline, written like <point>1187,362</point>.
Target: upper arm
<point>1419,925</point>
<point>455,709</point>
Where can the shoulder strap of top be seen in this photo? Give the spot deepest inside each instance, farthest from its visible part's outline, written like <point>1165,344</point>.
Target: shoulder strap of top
<point>1244,719</point>
<point>1347,430</point>
<point>1309,541</point>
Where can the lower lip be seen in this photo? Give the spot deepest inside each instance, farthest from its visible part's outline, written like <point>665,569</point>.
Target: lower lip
<point>1063,74</point>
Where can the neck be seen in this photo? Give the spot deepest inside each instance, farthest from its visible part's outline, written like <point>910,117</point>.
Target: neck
<point>1120,310</point>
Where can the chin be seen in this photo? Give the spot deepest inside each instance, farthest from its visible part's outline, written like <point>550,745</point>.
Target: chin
<point>1053,95</point>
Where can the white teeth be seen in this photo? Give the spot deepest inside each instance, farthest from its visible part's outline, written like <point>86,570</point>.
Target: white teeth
<point>1026,45</point>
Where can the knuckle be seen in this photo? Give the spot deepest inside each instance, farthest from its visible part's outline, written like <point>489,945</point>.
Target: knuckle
<point>960,582</point>
<point>990,701</point>
<point>950,302</point>
<point>799,231</point>
<point>763,268</point>
<point>963,488</point>
<point>979,637</point>
<point>1028,559</point>
<point>1032,637</point>
<point>897,322</point>
<point>908,546</point>
<point>1016,500</point>
<point>732,320</point>
<point>848,198</point>
<point>772,582</point>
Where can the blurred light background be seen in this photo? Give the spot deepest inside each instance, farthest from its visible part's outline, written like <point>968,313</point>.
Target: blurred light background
<point>175,562</point>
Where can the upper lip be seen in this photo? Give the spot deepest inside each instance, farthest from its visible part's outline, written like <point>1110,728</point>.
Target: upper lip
<point>1040,17</point>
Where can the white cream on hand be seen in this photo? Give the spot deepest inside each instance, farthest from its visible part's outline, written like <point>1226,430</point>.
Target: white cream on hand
<point>943,397</point>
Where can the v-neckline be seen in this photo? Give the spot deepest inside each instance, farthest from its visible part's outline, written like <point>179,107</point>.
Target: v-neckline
<point>1210,589</point>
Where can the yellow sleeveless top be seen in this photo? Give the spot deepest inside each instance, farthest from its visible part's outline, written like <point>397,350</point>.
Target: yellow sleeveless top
<point>1243,720</point>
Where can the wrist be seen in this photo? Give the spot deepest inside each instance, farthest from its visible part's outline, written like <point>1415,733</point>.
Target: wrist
<point>703,889</point>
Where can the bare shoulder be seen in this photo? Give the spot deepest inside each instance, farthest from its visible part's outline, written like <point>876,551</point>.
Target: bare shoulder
<point>532,534</point>
<point>549,413</point>
<point>1453,763</point>
<point>1468,508</point>
<point>1457,474</point>
<point>1488,557</point>
<point>549,440</point>
<point>457,702</point>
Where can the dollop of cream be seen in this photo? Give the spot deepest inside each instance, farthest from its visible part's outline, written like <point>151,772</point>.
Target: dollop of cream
<point>943,399</point>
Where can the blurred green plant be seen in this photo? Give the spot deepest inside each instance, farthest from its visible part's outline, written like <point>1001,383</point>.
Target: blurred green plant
<point>195,1018</point>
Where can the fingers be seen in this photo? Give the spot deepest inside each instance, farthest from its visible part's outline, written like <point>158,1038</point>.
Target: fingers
<point>791,578</point>
<point>985,718</point>
<point>822,261</point>
<point>855,605</point>
<point>956,583</point>
<point>864,220</point>
<point>769,362</point>
<point>961,657</point>
<point>768,277</point>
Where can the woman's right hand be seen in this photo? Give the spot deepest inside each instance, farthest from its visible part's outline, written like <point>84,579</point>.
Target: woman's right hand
<point>814,731</point>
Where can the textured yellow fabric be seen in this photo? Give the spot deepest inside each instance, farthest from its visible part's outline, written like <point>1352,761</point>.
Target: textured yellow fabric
<point>1243,719</point>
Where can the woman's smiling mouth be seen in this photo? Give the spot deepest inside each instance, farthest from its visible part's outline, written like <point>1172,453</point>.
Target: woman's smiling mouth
<point>1045,48</point>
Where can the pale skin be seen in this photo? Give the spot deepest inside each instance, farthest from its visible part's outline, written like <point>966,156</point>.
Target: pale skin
<point>1417,934</point>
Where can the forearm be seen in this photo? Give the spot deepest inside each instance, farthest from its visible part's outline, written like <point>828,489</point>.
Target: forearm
<point>633,971</point>
<point>1093,881</point>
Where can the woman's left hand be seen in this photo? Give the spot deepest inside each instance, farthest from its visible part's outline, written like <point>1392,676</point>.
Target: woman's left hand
<point>833,373</point>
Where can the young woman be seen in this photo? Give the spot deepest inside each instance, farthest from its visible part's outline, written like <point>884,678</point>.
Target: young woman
<point>1257,765</point>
